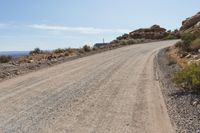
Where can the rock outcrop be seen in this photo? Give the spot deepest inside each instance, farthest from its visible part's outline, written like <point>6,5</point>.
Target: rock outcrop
<point>191,23</point>
<point>154,32</point>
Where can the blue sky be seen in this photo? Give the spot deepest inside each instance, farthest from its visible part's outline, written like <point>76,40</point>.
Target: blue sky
<point>49,24</point>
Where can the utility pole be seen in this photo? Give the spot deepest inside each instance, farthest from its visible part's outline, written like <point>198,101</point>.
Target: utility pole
<point>103,41</point>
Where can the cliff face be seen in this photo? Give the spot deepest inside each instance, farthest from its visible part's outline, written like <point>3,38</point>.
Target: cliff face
<point>191,24</point>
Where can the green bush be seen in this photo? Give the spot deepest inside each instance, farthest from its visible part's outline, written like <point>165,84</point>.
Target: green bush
<point>5,59</point>
<point>36,51</point>
<point>188,78</point>
<point>87,48</point>
<point>195,45</point>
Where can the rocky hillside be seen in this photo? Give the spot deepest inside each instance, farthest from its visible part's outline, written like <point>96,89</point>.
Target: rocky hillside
<point>191,24</point>
<point>187,51</point>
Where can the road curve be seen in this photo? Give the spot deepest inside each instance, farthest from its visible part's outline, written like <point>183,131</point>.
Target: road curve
<point>111,92</point>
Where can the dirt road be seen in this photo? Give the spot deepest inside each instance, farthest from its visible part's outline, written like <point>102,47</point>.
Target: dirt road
<point>111,92</point>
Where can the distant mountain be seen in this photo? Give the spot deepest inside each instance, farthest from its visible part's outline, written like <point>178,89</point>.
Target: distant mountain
<point>14,53</point>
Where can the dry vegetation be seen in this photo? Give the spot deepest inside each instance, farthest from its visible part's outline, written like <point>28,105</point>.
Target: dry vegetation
<point>184,53</point>
<point>5,59</point>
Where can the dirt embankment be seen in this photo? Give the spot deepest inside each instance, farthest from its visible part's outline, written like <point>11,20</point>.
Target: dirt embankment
<point>183,107</point>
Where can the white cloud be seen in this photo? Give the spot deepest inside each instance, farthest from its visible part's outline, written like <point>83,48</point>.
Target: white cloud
<point>83,30</point>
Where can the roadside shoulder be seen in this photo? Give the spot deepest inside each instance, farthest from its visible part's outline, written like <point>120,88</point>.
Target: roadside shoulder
<point>184,115</point>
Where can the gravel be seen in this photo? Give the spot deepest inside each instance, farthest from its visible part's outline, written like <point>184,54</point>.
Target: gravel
<point>183,107</point>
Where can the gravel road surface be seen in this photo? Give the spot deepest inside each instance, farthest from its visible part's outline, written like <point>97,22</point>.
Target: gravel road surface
<point>112,92</point>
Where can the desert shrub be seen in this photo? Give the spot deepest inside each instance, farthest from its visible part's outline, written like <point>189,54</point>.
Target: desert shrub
<point>95,48</point>
<point>81,51</point>
<point>123,43</point>
<point>188,78</point>
<point>195,45</point>
<point>183,46</point>
<point>188,37</point>
<point>119,38</point>
<point>190,42</point>
<point>87,48</point>
<point>178,44</point>
<point>170,37</point>
<point>70,50</point>
<point>67,54</point>
<point>36,51</point>
<point>131,41</point>
<point>5,59</point>
<point>59,50</point>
